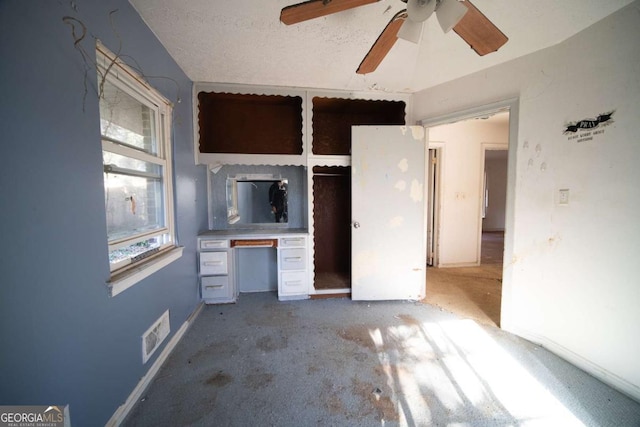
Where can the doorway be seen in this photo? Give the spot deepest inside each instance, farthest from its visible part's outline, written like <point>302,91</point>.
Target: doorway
<point>468,213</point>
<point>495,167</point>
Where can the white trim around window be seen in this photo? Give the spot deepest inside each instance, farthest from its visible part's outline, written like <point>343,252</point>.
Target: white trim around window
<point>135,128</point>
<point>135,274</point>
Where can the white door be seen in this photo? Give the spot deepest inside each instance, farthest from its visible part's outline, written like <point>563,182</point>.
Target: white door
<point>388,212</point>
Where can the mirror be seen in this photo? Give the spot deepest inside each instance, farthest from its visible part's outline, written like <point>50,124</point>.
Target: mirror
<point>257,200</point>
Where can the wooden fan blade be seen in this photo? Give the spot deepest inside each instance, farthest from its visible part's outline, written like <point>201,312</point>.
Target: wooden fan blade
<point>383,44</point>
<point>317,8</point>
<point>479,32</point>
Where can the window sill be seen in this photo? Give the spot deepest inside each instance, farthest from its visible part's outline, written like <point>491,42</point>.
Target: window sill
<point>123,281</point>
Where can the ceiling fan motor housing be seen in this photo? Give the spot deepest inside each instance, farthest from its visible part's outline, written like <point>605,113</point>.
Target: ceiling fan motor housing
<point>420,10</point>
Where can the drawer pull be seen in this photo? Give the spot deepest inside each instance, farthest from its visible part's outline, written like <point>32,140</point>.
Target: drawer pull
<point>289,241</point>
<point>293,282</point>
<point>293,259</point>
<point>213,244</point>
<point>212,263</point>
<point>214,287</point>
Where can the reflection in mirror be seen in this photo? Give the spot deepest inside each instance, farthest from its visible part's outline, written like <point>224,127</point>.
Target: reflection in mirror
<point>257,201</point>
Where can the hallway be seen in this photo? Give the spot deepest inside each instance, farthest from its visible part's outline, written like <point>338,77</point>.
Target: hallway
<point>472,292</point>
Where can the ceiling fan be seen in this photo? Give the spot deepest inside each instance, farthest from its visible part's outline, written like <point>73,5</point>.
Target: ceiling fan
<point>461,16</point>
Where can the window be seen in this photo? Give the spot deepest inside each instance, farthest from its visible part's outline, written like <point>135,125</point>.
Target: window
<point>135,128</point>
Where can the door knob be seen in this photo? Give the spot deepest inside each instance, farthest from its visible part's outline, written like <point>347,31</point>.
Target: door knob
<point>356,225</point>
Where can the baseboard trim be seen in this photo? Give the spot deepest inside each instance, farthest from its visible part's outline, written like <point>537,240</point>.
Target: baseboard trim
<point>327,296</point>
<point>331,291</point>
<point>121,413</point>
<point>458,265</point>
<point>607,377</point>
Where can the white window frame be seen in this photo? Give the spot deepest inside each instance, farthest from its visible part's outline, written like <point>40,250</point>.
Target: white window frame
<point>127,273</point>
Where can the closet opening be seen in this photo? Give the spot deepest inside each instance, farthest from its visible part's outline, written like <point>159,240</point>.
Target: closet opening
<point>332,227</point>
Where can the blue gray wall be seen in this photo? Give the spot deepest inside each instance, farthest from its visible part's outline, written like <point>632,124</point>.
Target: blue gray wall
<point>64,340</point>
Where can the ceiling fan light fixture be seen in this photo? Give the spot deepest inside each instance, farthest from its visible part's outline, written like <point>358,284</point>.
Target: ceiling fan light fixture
<point>411,31</point>
<point>420,10</point>
<point>449,13</point>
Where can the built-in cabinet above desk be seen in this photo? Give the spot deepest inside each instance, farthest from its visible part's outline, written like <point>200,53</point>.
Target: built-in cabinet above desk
<point>249,124</point>
<point>263,125</point>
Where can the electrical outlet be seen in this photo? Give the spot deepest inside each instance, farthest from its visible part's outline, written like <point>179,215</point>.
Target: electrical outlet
<point>563,196</point>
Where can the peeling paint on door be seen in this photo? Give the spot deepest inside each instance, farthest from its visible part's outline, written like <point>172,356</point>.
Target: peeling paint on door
<point>418,133</point>
<point>367,264</point>
<point>396,221</point>
<point>401,185</point>
<point>416,192</point>
<point>403,165</point>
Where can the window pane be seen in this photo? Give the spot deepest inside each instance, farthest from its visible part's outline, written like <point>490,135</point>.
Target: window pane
<point>125,162</point>
<point>134,205</point>
<point>127,120</point>
<point>140,249</point>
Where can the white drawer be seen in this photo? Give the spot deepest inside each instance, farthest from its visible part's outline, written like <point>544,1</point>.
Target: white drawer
<point>213,263</point>
<point>293,283</point>
<point>213,244</point>
<point>293,242</point>
<point>216,287</point>
<point>293,259</point>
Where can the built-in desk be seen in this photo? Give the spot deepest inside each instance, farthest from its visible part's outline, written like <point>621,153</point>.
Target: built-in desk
<point>218,267</point>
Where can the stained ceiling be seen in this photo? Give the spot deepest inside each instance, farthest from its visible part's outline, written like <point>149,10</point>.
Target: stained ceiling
<point>243,41</point>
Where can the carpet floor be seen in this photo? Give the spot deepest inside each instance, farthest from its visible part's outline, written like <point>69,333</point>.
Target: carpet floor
<point>337,362</point>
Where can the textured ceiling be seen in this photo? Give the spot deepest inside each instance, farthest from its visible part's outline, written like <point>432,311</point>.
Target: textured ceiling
<point>243,41</point>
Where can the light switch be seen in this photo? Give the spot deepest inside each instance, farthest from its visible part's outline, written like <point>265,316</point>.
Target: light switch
<point>563,196</point>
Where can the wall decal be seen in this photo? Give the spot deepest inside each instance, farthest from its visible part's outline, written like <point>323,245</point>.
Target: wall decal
<point>584,130</point>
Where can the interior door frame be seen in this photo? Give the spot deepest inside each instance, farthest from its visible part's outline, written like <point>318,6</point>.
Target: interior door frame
<point>511,105</point>
<point>434,205</point>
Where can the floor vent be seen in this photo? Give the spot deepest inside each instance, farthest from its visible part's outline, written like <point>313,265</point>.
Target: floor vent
<point>154,336</point>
